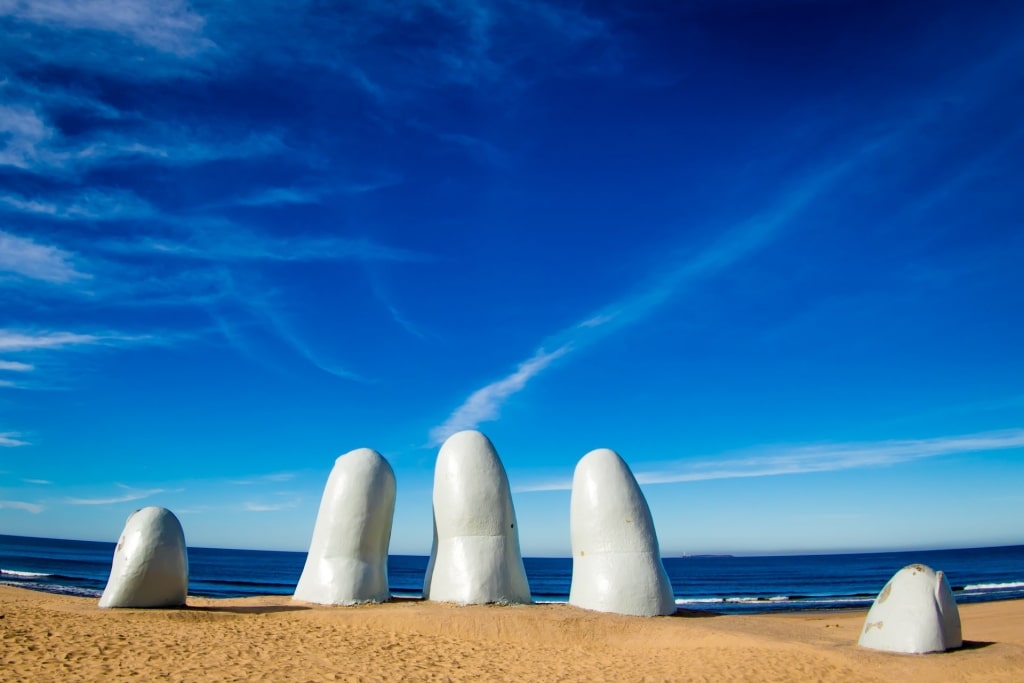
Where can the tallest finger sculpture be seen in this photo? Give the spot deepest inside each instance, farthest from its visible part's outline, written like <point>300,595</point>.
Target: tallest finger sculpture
<point>475,558</point>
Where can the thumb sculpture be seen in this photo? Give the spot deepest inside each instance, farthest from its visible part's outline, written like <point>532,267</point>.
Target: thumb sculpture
<point>475,558</point>
<point>347,562</point>
<point>616,562</point>
<point>150,567</point>
<point>915,613</point>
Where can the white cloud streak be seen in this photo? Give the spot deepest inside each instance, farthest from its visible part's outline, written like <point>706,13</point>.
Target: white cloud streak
<point>275,477</point>
<point>34,508</point>
<point>744,239</point>
<point>29,259</point>
<point>281,196</point>
<point>272,507</point>
<point>13,341</point>
<point>30,142</point>
<point>815,458</point>
<point>165,25</point>
<point>15,366</point>
<point>284,196</point>
<point>91,205</point>
<point>283,330</point>
<point>12,440</point>
<point>484,404</point>
<point>23,133</point>
<point>125,498</point>
<point>242,245</point>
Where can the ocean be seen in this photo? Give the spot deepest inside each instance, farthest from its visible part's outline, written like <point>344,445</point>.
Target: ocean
<point>721,584</point>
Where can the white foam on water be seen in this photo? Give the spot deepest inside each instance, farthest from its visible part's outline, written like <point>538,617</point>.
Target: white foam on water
<point>993,586</point>
<point>689,601</point>
<point>775,599</point>
<point>53,588</point>
<point>27,575</point>
<point>839,601</point>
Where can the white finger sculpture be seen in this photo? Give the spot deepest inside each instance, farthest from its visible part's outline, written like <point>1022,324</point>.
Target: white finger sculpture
<point>475,558</point>
<point>616,562</point>
<point>347,563</point>
<point>150,567</point>
<point>915,613</point>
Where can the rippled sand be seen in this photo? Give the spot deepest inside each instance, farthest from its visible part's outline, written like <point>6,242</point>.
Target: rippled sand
<point>57,638</point>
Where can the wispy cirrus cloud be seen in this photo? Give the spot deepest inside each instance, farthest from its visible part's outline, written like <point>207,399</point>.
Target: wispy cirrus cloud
<point>284,331</point>
<point>24,257</point>
<point>483,151</point>
<point>22,132</point>
<point>483,42</point>
<point>286,196</point>
<point>93,205</point>
<point>237,244</point>
<point>14,340</point>
<point>484,404</point>
<point>38,482</point>
<point>34,508</point>
<point>129,495</point>
<point>44,97</point>
<point>274,477</point>
<point>49,344</point>
<point>281,196</point>
<point>734,244</point>
<point>271,507</point>
<point>30,141</point>
<point>12,440</point>
<point>765,226</point>
<point>484,52</point>
<point>382,295</point>
<point>167,26</point>
<point>813,458</point>
<point>740,242</point>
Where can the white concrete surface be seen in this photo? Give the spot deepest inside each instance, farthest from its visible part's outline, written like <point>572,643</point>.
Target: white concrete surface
<point>475,558</point>
<point>347,562</point>
<point>150,566</point>
<point>915,613</point>
<point>616,561</point>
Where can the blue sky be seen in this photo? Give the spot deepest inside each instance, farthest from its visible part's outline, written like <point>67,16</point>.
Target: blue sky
<point>770,252</point>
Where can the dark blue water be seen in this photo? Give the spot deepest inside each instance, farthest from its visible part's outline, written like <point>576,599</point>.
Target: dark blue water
<point>719,584</point>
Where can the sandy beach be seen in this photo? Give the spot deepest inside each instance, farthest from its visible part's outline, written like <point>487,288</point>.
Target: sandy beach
<point>59,638</point>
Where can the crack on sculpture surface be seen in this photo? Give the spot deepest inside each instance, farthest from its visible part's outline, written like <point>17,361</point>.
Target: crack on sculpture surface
<point>475,556</point>
<point>347,563</point>
<point>150,564</point>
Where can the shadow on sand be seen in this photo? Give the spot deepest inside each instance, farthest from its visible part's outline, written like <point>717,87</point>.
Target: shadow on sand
<point>695,613</point>
<point>244,609</point>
